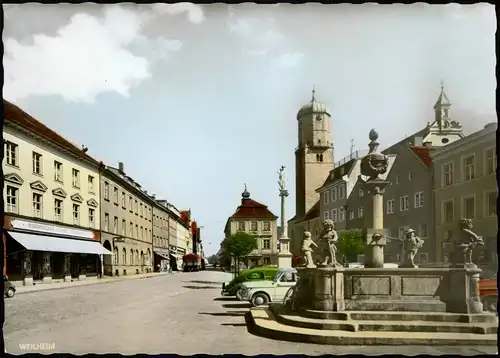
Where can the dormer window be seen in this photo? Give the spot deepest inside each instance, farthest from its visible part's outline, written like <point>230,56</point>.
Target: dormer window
<point>445,112</point>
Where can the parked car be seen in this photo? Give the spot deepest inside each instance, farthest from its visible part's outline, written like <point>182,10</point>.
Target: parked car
<point>260,273</point>
<point>262,292</point>
<point>9,290</point>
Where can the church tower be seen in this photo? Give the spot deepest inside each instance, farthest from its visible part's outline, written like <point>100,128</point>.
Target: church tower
<point>313,155</point>
<point>444,129</point>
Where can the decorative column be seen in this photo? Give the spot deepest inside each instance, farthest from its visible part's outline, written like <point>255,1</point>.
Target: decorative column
<point>373,165</point>
<point>46,268</point>
<point>284,254</point>
<point>67,267</point>
<point>27,268</point>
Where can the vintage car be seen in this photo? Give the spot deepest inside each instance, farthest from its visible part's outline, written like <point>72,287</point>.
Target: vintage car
<point>260,293</point>
<point>9,290</point>
<point>258,273</point>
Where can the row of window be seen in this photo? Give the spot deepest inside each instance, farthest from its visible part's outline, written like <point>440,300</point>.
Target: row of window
<point>12,206</point>
<point>140,232</point>
<point>404,203</point>
<point>160,241</point>
<point>469,207</point>
<point>133,204</point>
<point>469,168</point>
<point>142,260</point>
<point>332,195</point>
<point>158,221</point>
<point>11,158</point>
<point>266,226</point>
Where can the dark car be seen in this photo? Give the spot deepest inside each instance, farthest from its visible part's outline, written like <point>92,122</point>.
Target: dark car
<point>9,290</point>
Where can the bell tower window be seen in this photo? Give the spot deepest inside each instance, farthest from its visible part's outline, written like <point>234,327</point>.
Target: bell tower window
<point>319,158</point>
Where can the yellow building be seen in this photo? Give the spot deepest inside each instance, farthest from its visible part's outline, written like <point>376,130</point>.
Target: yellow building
<point>51,199</point>
<point>256,219</point>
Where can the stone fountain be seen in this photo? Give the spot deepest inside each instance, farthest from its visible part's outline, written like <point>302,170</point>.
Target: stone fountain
<point>338,305</point>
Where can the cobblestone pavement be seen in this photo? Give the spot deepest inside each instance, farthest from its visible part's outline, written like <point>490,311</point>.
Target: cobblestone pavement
<point>166,314</point>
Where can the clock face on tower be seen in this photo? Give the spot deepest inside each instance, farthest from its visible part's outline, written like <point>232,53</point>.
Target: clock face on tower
<point>319,117</point>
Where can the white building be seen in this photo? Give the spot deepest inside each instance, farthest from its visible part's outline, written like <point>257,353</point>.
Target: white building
<point>51,198</point>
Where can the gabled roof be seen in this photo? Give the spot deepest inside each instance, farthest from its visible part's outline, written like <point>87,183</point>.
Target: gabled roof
<point>423,153</point>
<point>17,116</point>
<point>252,209</point>
<point>338,172</point>
<point>313,213</point>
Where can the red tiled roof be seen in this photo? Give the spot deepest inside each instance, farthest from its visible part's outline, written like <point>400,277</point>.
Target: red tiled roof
<point>16,115</point>
<point>423,154</point>
<point>252,209</point>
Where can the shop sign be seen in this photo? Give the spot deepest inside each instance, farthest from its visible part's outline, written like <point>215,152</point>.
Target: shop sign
<point>131,242</point>
<point>51,229</point>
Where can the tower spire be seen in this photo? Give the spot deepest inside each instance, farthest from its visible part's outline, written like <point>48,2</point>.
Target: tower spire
<point>313,94</point>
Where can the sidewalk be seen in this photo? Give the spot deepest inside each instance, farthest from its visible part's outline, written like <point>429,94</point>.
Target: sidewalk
<point>90,281</point>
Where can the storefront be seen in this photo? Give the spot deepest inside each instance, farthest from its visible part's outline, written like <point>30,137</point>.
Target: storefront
<point>161,259</point>
<point>39,252</point>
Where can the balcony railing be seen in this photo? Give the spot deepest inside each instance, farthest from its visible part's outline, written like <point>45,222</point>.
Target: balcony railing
<point>354,155</point>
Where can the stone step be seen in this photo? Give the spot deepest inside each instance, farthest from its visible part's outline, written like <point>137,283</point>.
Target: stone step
<point>394,326</point>
<point>262,323</point>
<point>485,317</point>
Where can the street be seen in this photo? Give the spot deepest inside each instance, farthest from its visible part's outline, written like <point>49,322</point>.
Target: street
<point>180,313</point>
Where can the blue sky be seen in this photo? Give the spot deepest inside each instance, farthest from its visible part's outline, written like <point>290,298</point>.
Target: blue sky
<point>196,101</point>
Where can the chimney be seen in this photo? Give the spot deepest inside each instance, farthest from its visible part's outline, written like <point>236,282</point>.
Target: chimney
<point>84,149</point>
<point>120,167</point>
<point>153,196</point>
<point>145,192</point>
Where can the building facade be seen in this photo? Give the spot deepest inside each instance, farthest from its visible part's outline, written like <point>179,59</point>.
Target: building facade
<point>255,219</point>
<point>160,236</point>
<point>314,157</point>
<point>127,223</point>
<point>51,195</point>
<point>465,186</point>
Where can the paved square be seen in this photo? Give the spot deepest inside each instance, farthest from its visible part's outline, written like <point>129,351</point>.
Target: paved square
<point>179,313</point>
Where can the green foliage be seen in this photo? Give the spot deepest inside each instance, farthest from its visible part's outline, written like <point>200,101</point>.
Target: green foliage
<point>239,244</point>
<point>213,259</point>
<point>351,244</point>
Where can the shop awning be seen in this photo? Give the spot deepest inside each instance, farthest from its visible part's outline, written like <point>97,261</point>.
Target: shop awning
<point>57,244</point>
<point>161,254</point>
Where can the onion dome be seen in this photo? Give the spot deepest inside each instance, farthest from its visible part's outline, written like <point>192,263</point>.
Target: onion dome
<point>245,194</point>
<point>314,107</point>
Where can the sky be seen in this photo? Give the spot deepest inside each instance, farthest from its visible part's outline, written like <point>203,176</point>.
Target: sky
<point>198,100</point>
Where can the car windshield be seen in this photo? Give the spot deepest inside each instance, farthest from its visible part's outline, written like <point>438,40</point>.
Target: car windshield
<point>276,276</point>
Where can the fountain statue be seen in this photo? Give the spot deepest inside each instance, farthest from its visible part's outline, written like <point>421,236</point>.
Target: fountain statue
<point>412,243</point>
<point>306,249</point>
<point>328,240</point>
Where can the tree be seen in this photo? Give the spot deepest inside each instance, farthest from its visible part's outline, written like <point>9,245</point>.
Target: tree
<point>351,244</point>
<point>239,245</point>
<point>213,259</point>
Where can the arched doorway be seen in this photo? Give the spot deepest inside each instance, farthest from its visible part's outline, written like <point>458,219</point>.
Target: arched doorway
<point>108,266</point>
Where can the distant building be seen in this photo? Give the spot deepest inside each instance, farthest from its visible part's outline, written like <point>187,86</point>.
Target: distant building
<point>127,228</point>
<point>161,254</point>
<point>256,219</point>
<point>465,186</point>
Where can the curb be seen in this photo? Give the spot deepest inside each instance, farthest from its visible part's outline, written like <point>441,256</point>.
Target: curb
<point>97,282</point>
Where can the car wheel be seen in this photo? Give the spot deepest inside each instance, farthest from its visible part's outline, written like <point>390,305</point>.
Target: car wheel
<point>10,292</point>
<point>238,294</point>
<point>260,299</point>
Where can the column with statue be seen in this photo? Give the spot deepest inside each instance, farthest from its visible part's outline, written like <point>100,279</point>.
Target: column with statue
<point>284,254</point>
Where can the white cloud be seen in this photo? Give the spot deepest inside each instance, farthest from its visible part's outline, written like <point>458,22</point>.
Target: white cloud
<point>89,55</point>
<point>194,12</point>
<point>288,60</point>
<point>261,37</point>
